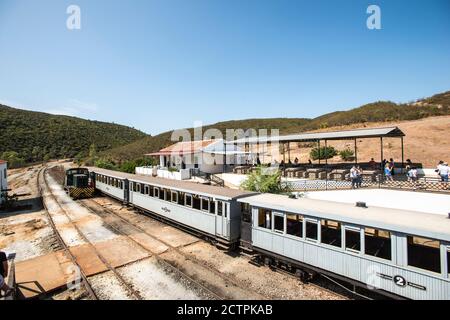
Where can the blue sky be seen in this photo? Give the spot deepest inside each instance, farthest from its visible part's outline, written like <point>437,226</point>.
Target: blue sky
<point>159,65</point>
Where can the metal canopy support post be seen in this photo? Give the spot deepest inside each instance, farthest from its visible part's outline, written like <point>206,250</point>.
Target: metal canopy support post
<point>356,153</point>
<point>326,157</point>
<point>284,152</point>
<point>382,156</point>
<point>318,144</point>
<point>224,157</point>
<point>289,151</point>
<point>403,155</point>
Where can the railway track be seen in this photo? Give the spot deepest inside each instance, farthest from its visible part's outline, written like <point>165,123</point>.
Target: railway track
<point>85,280</point>
<point>203,264</point>
<point>157,256</point>
<point>191,257</point>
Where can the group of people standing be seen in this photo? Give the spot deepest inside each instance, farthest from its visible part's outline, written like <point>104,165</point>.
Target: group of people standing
<point>443,170</point>
<point>356,177</point>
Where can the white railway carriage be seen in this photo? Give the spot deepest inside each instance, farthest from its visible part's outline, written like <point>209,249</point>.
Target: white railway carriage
<point>398,252</point>
<point>208,210</point>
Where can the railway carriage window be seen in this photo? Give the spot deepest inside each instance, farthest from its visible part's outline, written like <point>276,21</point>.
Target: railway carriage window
<point>156,192</point>
<point>312,232</point>
<point>265,218</point>
<point>138,187</point>
<point>161,193</point>
<point>196,202</point>
<point>377,243</point>
<point>331,233</point>
<point>188,200</point>
<point>181,198</point>
<point>212,207</point>
<point>174,196</point>
<point>150,191</point>
<point>278,223</point>
<point>424,253</point>
<point>219,208</point>
<point>146,190</point>
<point>448,260</point>
<point>246,214</point>
<point>352,240</point>
<point>294,225</point>
<point>205,204</point>
<point>168,195</point>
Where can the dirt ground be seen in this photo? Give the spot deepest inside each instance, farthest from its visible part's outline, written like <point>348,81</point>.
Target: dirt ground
<point>26,233</point>
<point>229,274</point>
<point>426,142</point>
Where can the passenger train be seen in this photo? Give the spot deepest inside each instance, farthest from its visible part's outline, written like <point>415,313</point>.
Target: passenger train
<point>399,253</point>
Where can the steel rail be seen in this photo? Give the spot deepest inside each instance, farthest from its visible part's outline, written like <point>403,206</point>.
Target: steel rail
<point>105,262</point>
<point>83,277</point>
<point>157,256</point>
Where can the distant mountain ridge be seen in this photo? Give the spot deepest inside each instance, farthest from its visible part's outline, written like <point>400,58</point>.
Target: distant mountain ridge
<point>37,135</point>
<point>381,111</point>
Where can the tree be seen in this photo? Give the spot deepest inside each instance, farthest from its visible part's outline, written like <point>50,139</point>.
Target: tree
<point>13,159</point>
<point>92,151</point>
<point>259,181</point>
<point>323,153</point>
<point>105,164</point>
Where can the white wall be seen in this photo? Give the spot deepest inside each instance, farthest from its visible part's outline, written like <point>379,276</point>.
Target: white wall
<point>183,174</point>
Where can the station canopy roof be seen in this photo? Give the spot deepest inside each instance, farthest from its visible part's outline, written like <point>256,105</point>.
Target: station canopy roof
<point>332,135</point>
<point>183,148</point>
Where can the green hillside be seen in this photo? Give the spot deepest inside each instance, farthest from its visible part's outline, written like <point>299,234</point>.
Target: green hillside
<point>381,111</point>
<point>36,135</point>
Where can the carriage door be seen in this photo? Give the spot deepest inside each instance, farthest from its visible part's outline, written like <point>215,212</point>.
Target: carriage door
<point>221,219</point>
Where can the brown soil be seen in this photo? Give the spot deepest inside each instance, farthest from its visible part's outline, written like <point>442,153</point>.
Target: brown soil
<point>427,141</point>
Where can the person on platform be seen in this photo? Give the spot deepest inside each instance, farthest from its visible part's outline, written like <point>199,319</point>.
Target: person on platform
<point>3,274</point>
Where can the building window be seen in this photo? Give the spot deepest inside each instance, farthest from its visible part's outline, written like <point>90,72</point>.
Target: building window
<point>265,218</point>
<point>377,243</point>
<point>205,204</point>
<point>294,225</point>
<point>424,253</point>
<point>219,208</point>
<point>188,200</point>
<point>331,233</point>
<point>311,230</point>
<point>278,223</point>
<point>352,240</point>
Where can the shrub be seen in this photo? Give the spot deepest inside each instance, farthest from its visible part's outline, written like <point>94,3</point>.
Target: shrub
<point>258,181</point>
<point>347,154</point>
<point>323,153</point>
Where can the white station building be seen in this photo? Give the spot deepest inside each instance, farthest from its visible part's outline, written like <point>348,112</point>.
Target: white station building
<point>3,181</point>
<point>205,155</point>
